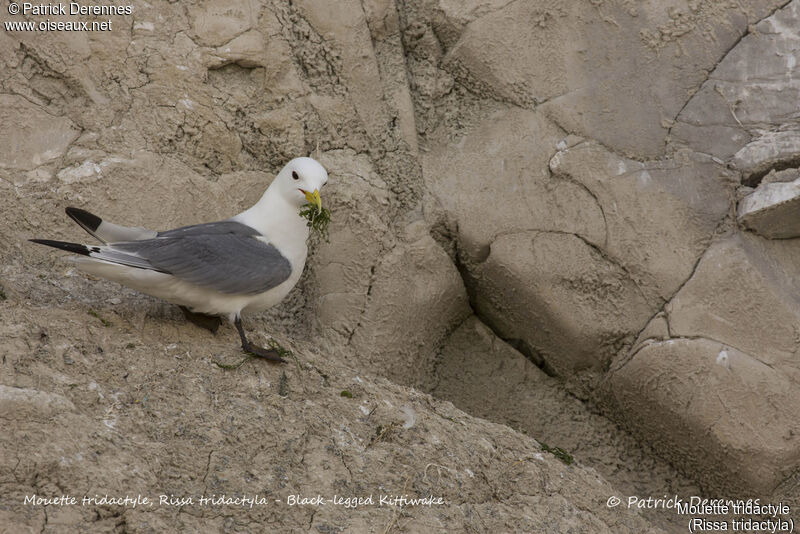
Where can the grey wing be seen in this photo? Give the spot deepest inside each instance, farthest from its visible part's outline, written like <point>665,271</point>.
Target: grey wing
<point>221,227</point>
<point>232,262</point>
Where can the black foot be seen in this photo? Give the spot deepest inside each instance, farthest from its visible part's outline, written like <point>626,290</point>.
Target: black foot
<point>209,322</point>
<point>272,354</point>
<point>268,354</point>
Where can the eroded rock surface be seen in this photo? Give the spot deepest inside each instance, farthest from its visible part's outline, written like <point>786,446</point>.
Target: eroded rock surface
<point>747,97</point>
<point>113,410</point>
<point>681,391</point>
<point>569,173</point>
<point>773,209</point>
<point>594,68</point>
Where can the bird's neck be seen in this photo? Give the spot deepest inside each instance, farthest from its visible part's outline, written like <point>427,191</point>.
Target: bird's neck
<point>280,222</point>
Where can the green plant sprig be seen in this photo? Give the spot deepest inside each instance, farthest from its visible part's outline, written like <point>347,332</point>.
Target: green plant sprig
<point>318,219</point>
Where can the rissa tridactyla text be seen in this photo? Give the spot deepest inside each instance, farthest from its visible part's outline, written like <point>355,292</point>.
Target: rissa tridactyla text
<point>246,263</point>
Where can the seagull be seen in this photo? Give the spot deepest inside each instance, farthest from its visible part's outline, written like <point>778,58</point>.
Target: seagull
<point>247,263</point>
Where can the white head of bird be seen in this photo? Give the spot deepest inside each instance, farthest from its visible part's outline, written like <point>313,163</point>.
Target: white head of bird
<point>300,182</point>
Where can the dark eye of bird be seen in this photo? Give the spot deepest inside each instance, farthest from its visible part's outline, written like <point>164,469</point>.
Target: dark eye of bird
<point>295,176</point>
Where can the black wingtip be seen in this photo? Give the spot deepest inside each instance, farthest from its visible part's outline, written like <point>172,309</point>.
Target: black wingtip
<point>63,245</point>
<point>88,220</point>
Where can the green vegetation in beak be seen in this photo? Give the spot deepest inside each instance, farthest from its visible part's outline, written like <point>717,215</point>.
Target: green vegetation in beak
<point>318,217</point>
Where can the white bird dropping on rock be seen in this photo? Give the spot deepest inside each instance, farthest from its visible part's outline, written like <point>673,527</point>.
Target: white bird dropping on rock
<point>722,359</point>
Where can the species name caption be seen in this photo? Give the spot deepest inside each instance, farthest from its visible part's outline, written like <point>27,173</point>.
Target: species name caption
<point>71,9</point>
<point>737,515</point>
<point>240,501</point>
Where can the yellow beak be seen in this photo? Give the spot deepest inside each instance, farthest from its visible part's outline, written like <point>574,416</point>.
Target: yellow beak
<point>314,198</point>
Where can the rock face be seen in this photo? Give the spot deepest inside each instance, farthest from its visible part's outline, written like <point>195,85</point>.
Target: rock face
<point>32,137</point>
<point>612,250</point>
<point>747,98</point>
<point>169,424</point>
<point>587,65</point>
<point>487,377</point>
<point>758,315</point>
<point>576,220</point>
<point>626,235</point>
<point>30,404</point>
<point>562,285</point>
<point>773,209</point>
<point>676,391</point>
<point>659,216</point>
<point>720,366</point>
<point>767,152</point>
<point>504,157</point>
<point>721,360</point>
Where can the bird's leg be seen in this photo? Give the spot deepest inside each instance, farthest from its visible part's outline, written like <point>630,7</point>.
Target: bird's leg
<point>269,354</point>
<point>209,322</point>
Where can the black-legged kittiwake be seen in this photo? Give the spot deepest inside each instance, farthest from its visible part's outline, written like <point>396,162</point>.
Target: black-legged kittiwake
<point>243,264</point>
